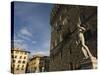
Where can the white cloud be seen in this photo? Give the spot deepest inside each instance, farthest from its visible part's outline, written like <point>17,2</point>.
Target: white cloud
<point>45,53</point>
<point>20,44</point>
<point>23,37</point>
<point>18,40</point>
<point>26,32</point>
<point>46,45</point>
<point>34,42</point>
<point>44,50</point>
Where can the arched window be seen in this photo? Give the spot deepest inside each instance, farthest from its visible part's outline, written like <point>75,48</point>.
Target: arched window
<point>24,62</point>
<point>19,61</point>
<point>20,57</point>
<point>24,57</point>
<point>22,67</point>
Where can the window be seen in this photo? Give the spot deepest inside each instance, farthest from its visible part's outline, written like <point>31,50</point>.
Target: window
<point>17,52</point>
<point>18,66</point>
<point>12,56</point>
<point>25,52</point>
<point>33,63</point>
<point>25,57</point>
<point>23,62</point>
<point>17,69</point>
<point>20,57</point>
<point>22,67</point>
<point>19,61</point>
<point>21,52</point>
<point>16,56</point>
<point>14,61</point>
<point>12,52</point>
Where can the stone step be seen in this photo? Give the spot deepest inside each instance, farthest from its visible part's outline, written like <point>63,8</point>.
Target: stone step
<point>90,63</point>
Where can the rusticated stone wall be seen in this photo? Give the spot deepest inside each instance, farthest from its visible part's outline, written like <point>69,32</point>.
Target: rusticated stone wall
<point>65,53</point>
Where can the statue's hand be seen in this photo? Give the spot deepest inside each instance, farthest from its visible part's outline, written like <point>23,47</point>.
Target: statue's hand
<point>83,28</point>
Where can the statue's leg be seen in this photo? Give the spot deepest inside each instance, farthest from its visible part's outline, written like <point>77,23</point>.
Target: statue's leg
<point>84,48</point>
<point>87,49</point>
<point>85,53</point>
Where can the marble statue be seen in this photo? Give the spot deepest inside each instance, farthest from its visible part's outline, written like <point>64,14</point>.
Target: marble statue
<point>81,40</point>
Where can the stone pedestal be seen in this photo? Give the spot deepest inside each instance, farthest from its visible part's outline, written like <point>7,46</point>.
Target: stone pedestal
<point>90,63</point>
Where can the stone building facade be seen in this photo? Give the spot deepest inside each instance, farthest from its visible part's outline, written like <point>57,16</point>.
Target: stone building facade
<point>65,54</point>
<point>38,63</point>
<point>19,59</point>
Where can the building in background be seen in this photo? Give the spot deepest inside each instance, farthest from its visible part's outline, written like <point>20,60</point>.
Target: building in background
<point>19,59</point>
<point>38,63</point>
<point>65,53</point>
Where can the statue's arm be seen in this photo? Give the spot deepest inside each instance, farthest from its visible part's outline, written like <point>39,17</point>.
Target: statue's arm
<point>83,28</point>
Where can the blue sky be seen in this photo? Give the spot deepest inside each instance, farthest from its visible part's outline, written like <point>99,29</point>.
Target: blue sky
<point>32,27</point>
